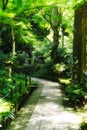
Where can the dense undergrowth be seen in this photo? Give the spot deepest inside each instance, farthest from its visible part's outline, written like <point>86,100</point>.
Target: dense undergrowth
<point>13,92</point>
<point>52,70</point>
<point>75,94</point>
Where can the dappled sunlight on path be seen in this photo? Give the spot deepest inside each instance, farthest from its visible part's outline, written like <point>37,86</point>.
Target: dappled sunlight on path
<point>49,113</point>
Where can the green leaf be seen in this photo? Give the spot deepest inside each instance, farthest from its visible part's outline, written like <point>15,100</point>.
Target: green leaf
<point>77,91</point>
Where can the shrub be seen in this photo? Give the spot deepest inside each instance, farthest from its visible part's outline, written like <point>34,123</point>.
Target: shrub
<point>77,93</point>
<point>83,126</point>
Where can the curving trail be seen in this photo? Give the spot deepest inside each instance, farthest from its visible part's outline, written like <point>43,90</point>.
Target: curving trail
<point>49,113</point>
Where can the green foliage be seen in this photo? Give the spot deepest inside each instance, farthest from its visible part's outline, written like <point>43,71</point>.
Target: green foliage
<point>64,60</point>
<point>83,126</point>
<point>3,57</point>
<point>6,111</point>
<point>63,55</point>
<point>77,93</point>
<point>58,68</point>
<point>3,76</point>
<point>46,71</point>
<point>79,3</point>
<point>12,90</point>
<point>20,58</point>
<point>39,58</point>
<point>3,69</point>
<point>17,76</point>
<point>49,67</point>
<point>51,70</point>
<point>13,84</point>
<point>31,25</point>
<point>6,39</point>
<point>40,31</point>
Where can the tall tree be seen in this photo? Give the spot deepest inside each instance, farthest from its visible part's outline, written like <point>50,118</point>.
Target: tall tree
<point>56,20</point>
<point>79,46</point>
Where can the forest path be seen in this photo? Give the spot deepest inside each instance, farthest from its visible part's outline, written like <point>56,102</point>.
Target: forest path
<point>49,113</point>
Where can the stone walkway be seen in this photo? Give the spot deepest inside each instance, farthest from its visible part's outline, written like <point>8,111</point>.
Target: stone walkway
<point>49,113</point>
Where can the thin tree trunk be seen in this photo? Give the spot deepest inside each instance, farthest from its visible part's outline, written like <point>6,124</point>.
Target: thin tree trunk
<point>13,53</point>
<point>62,40</point>
<point>55,25</point>
<point>13,43</point>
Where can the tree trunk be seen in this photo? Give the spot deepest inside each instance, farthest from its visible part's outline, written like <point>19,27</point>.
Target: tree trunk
<point>79,46</point>
<point>4,4</point>
<point>13,43</point>
<point>13,53</point>
<point>62,39</point>
<point>55,26</point>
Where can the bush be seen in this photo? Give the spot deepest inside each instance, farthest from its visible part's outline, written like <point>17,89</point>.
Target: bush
<point>64,56</point>
<point>77,93</point>
<point>45,70</point>
<point>21,58</point>
<point>83,126</point>
<point>12,94</point>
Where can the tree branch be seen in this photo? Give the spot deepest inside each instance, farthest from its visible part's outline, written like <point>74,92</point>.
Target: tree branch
<point>47,17</point>
<point>4,3</point>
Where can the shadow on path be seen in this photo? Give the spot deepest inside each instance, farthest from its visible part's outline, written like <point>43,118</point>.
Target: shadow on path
<point>23,116</point>
<point>49,113</point>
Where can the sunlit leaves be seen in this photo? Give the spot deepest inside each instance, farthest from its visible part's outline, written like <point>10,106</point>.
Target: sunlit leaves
<point>59,67</point>
<point>4,106</point>
<point>6,15</point>
<point>21,24</point>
